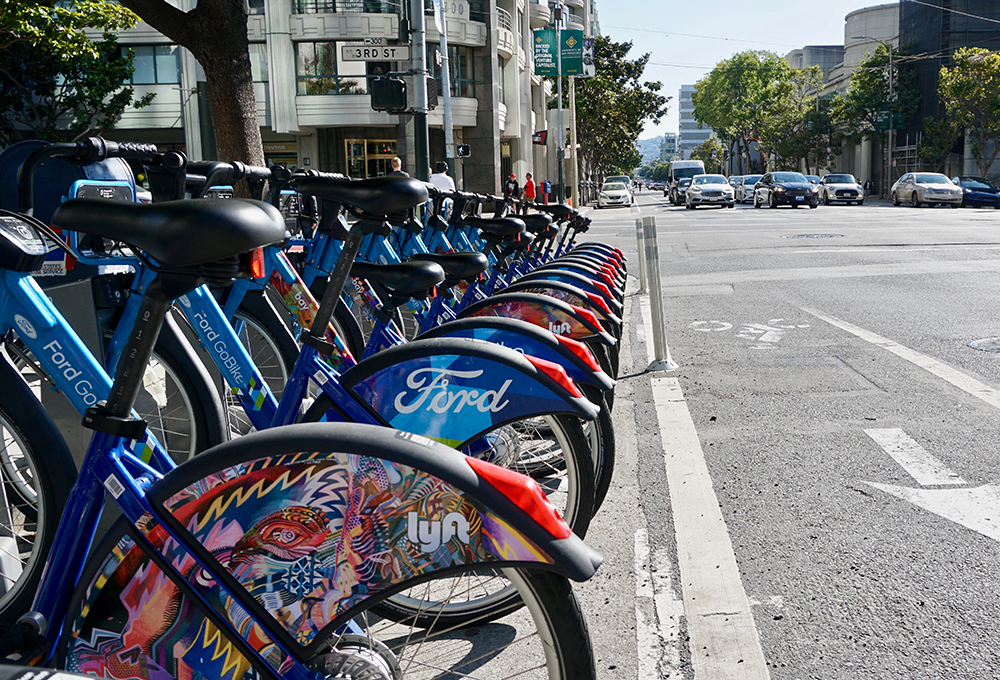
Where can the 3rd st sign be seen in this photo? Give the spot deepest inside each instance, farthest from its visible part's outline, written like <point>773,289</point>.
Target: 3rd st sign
<point>375,52</point>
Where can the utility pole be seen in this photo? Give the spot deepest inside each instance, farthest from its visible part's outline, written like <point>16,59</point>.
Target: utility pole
<point>441,21</point>
<point>561,132</point>
<point>574,176</point>
<point>421,152</point>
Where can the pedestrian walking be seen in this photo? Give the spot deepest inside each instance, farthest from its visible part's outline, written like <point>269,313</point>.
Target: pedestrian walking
<point>529,193</point>
<point>440,178</point>
<point>397,168</point>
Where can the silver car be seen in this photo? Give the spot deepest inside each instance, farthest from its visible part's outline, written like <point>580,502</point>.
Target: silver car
<point>931,188</point>
<point>841,188</point>
<point>744,190</point>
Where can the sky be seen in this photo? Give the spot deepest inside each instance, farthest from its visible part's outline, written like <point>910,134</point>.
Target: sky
<point>687,38</point>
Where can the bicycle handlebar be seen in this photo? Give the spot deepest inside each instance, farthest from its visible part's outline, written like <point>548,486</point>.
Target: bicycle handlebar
<point>84,152</point>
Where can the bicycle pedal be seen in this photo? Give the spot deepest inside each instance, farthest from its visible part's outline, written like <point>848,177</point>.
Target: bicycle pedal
<point>22,646</point>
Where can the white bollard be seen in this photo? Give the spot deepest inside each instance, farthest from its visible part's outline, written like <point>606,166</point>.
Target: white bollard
<point>642,256</point>
<point>661,353</point>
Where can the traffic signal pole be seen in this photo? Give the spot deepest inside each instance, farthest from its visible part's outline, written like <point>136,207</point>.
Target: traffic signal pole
<point>421,152</point>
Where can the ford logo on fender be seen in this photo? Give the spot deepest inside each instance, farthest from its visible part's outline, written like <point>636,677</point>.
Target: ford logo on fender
<point>434,395</point>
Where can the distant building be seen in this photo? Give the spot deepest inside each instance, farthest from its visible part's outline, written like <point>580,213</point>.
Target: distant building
<point>827,57</point>
<point>668,146</point>
<point>692,134</point>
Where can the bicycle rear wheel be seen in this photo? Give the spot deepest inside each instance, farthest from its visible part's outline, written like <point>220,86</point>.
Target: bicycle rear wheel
<point>105,632</point>
<point>36,474</point>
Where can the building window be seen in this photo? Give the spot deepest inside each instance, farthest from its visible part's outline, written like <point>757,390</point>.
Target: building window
<point>369,157</point>
<point>258,62</point>
<point>320,70</point>
<point>331,6</point>
<point>154,64</point>
<point>460,71</point>
<point>501,78</point>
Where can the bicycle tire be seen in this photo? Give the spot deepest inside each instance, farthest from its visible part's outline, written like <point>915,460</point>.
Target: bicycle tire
<point>37,474</point>
<point>549,634</point>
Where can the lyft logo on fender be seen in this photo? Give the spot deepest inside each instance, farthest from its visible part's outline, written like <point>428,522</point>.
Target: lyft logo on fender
<point>431,385</point>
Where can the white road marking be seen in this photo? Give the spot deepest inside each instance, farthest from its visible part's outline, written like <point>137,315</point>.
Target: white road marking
<point>724,641</point>
<point>977,508</point>
<point>951,375</point>
<point>925,469</point>
<point>657,614</point>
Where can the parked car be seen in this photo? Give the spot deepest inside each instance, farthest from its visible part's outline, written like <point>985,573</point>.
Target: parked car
<point>977,191</point>
<point>788,188</point>
<point>708,190</point>
<point>932,188</point>
<point>837,188</point>
<point>744,190</point>
<point>613,193</point>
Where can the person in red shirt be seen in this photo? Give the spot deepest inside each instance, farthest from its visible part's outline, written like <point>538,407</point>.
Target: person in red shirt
<point>529,193</point>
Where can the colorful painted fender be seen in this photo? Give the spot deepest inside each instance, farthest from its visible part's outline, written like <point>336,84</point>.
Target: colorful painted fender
<point>453,390</point>
<point>295,527</point>
<point>553,315</point>
<point>527,338</point>
<point>580,281</point>
<point>574,296</point>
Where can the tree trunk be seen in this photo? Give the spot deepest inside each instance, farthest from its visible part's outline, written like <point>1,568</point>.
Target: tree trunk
<point>216,34</point>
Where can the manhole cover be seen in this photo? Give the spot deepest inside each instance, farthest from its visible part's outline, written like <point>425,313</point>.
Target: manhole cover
<point>986,344</point>
<point>815,236</point>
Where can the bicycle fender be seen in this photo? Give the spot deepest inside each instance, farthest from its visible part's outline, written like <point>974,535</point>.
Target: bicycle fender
<point>453,390</point>
<point>559,265</point>
<point>301,526</point>
<point>580,281</point>
<point>525,338</point>
<point>554,315</point>
<point>571,294</point>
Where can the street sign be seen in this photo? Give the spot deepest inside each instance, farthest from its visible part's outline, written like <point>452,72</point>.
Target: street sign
<point>539,137</point>
<point>572,53</point>
<point>545,52</point>
<point>375,52</point>
<point>885,120</point>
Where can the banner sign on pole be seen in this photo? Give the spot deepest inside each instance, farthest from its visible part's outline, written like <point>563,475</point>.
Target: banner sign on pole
<point>589,70</point>
<point>545,52</point>
<point>572,53</point>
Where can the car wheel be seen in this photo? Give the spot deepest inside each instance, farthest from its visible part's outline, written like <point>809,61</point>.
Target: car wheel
<point>895,199</point>
<point>826,199</point>
<point>774,201</point>
<point>813,206</point>
<point>756,201</point>
<point>954,205</point>
<point>861,202</point>
<point>914,201</point>
<point>730,205</point>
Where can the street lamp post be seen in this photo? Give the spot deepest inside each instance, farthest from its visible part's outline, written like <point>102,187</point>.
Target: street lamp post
<point>887,181</point>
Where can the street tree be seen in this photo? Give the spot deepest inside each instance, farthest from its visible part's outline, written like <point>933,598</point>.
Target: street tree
<point>743,97</point>
<point>938,140</point>
<point>711,152</point>
<point>857,111</point>
<point>613,106</point>
<point>970,92</point>
<point>215,32</point>
<point>54,81</point>
<point>810,136</point>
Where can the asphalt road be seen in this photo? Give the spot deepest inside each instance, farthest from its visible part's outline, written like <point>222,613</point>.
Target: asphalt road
<point>848,436</point>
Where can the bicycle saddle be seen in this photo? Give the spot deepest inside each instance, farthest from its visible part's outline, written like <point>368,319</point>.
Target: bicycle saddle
<point>379,196</point>
<point>517,243</point>
<point>499,227</point>
<point>463,266</point>
<point>556,209</point>
<point>405,278</point>
<point>536,223</point>
<point>177,233</point>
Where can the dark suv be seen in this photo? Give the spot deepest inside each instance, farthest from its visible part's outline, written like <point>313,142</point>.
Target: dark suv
<point>785,188</point>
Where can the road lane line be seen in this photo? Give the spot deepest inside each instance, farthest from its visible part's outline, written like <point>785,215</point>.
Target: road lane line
<point>951,375</point>
<point>723,636</point>
<point>925,469</point>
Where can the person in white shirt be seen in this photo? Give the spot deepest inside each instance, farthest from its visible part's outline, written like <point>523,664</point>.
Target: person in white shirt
<point>440,178</point>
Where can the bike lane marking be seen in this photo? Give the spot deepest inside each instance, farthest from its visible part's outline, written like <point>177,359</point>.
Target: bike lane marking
<point>925,469</point>
<point>724,641</point>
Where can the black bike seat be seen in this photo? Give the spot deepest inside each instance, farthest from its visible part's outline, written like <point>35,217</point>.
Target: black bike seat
<point>405,278</point>
<point>500,227</point>
<point>520,242</point>
<point>379,196</point>
<point>463,266</point>
<point>536,223</point>
<point>556,209</point>
<point>177,233</point>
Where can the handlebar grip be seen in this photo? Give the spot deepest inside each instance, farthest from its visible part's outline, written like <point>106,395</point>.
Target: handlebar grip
<point>131,150</point>
<point>256,172</point>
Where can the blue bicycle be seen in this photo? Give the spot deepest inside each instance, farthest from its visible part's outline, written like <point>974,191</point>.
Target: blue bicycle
<point>265,556</point>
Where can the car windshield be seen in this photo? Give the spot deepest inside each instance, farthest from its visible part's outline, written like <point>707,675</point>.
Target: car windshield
<point>614,186</point>
<point>687,173</point>
<point>751,179</point>
<point>709,179</point>
<point>789,177</point>
<point>978,183</point>
<point>841,179</point>
<point>932,179</point>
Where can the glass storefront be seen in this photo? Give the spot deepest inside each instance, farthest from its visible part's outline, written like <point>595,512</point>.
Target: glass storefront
<point>369,157</point>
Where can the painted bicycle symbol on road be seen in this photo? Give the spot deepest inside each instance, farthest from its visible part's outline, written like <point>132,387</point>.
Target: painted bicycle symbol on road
<point>769,333</point>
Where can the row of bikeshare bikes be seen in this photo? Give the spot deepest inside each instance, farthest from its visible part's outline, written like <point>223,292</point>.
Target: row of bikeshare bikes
<point>392,507</point>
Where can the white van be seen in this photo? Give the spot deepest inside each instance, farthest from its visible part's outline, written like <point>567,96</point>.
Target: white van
<point>681,173</point>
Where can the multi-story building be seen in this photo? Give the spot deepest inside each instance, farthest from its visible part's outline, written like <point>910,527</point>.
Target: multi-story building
<point>668,146</point>
<point>692,134</point>
<point>313,103</point>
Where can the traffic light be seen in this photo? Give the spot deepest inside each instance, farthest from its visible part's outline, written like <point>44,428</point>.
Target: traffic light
<point>388,94</point>
<point>463,150</point>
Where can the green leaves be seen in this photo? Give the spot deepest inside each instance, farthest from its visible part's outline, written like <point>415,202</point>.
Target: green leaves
<point>60,30</point>
<point>613,106</point>
<point>970,93</point>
